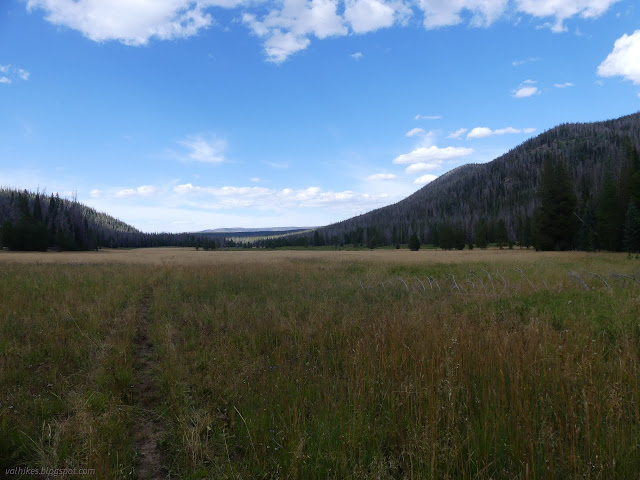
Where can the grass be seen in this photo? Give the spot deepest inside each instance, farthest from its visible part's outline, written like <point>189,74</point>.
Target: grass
<point>326,364</point>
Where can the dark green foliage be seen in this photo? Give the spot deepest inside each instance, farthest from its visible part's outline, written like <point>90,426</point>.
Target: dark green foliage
<point>587,236</point>
<point>609,215</point>
<point>414,243</point>
<point>68,225</point>
<point>632,229</point>
<point>555,216</point>
<point>481,235</point>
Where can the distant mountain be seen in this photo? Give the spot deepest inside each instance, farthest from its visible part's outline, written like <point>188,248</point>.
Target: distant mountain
<point>254,230</point>
<point>504,190</point>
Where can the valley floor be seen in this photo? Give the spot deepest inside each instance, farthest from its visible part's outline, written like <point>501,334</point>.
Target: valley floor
<point>178,363</point>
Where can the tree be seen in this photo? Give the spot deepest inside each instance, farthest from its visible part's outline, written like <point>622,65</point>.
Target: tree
<point>414,243</point>
<point>555,214</point>
<point>586,239</point>
<point>481,235</point>
<point>632,229</point>
<point>608,215</point>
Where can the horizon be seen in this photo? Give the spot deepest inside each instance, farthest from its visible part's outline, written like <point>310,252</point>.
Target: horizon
<point>183,116</point>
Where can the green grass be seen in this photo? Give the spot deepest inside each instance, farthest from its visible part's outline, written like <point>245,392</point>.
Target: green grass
<point>312,369</point>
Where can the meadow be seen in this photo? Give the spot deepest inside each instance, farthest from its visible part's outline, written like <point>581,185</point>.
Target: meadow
<point>384,364</point>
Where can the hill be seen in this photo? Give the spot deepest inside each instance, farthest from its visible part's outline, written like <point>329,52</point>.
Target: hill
<point>33,221</point>
<point>499,198</point>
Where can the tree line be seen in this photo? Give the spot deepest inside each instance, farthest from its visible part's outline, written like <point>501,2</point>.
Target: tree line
<point>36,222</point>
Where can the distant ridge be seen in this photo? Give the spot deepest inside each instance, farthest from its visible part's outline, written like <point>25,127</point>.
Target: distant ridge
<point>503,190</point>
<point>253,230</point>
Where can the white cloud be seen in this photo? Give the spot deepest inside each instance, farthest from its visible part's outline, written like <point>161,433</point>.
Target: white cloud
<point>244,197</point>
<point>132,23</point>
<point>442,13</point>
<point>427,117</point>
<point>356,55</point>
<point>564,9</point>
<point>382,176</point>
<point>422,167</point>
<point>204,149</point>
<point>142,191</point>
<point>254,179</point>
<point>482,132</point>
<point>458,133</point>
<point>526,89</point>
<point>23,74</point>
<point>424,179</point>
<point>95,193</point>
<point>287,30</point>
<point>624,60</point>
<point>415,131</point>
<point>563,85</point>
<point>368,15</point>
<point>432,154</point>
<point>12,73</point>
<point>517,63</point>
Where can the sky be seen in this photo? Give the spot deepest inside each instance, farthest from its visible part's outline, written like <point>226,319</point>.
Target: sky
<point>184,115</point>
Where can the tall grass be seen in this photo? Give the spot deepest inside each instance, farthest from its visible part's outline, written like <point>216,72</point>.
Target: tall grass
<point>328,367</point>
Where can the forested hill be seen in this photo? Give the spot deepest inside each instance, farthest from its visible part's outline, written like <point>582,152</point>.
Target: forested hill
<point>34,221</point>
<point>500,197</point>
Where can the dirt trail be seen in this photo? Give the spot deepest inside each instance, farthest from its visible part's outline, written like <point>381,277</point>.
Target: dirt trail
<point>148,429</point>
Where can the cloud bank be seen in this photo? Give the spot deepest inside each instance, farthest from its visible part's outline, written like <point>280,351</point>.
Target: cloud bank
<point>287,26</point>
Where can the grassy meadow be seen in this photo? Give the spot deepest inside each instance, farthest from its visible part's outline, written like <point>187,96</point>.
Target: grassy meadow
<point>316,364</point>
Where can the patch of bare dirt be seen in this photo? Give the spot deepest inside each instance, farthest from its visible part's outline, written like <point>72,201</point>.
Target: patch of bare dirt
<point>148,429</point>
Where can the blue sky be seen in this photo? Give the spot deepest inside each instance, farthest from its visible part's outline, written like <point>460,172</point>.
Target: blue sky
<point>182,115</point>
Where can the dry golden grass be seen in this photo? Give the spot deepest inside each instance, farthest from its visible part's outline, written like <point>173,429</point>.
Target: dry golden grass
<point>324,364</point>
<point>191,257</point>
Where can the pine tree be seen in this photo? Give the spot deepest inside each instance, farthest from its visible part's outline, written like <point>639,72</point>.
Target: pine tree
<point>632,229</point>
<point>414,243</point>
<point>608,215</point>
<point>555,215</point>
<point>481,235</point>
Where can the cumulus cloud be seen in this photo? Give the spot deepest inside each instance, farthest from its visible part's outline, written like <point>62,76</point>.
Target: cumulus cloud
<point>563,85</point>
<point>203,149</point>
<point>132,23</point>
<point>432,154</point>
<point>526,89</point>
<point>422,167</point>
<point>287,26</point>
<point>11,73</point>
<point>561,10</point>
<point>141,191</point>
<point>286,30</point>
<point>368,15</point>
<point>624,60</point>
<point>356,55</point>
<point>424,179</point>
<point>443,13</point>
<point>482,132</point>
<point>458,133</point>
<point>234,197</point>
<point>382,176</point>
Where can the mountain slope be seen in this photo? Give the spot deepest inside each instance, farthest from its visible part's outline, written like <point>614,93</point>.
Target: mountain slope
<point>504,189</point>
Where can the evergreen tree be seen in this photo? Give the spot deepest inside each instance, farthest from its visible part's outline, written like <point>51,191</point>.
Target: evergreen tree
<point>586,239</point>
<point>481,235</point>
<point>608,216</point>
<point>414,243</point>
<point>555,215</point>
<point>632,229</point>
